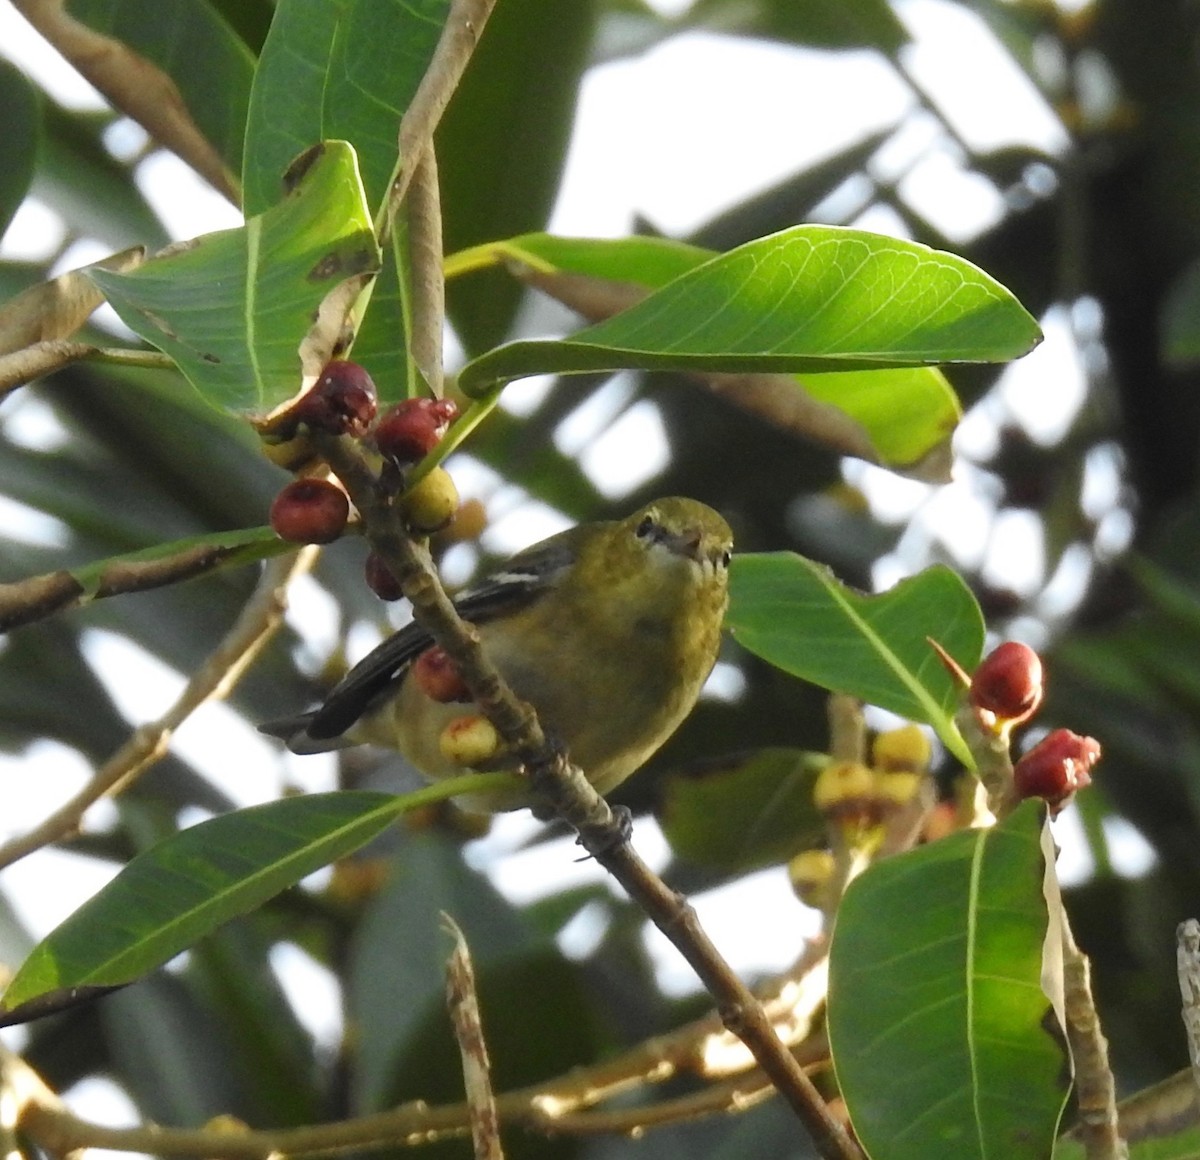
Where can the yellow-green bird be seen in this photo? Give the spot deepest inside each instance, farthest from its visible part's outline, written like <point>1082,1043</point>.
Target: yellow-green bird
<point>608,630</point>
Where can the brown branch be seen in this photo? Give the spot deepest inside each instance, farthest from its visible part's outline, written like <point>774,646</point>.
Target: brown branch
<point>42,358</point>
<point>550,1108</point>
<point>1099,1130</point>
<point>565,788</point>
<point>24,601</point>
<point>459,37</point>
<point>134,85</point>
<point>257,623</point>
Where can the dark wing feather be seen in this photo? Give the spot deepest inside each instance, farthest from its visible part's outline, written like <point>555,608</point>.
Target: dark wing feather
<point>379,673</point>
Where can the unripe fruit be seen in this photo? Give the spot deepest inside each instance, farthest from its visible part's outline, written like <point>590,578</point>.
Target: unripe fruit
<point>470,741</point>
<point>342,401</point>
<point>429,505</point>
<point>897,788</point>
<point>310,511</point>
<point>810,872</point>
<point>1056,767</point>
<point>1007,686</point>
<point>438,677</point>
<point>380,579</point>
<point>413,428</point>
<point>906,748</point>
<point>845,793</point>
<point>293,454</point>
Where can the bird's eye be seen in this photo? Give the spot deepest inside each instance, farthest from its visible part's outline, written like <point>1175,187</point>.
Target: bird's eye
<point>726,557</point>
<point>645,528</point>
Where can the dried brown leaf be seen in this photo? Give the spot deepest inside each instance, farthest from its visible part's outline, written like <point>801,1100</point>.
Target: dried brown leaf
<point>57,308</point>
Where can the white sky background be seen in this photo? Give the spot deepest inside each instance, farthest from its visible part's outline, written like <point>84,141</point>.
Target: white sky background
<point>676,136</point>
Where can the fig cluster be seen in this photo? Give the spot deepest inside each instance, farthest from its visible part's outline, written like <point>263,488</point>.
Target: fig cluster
<point>1006,690</point>
<point>344,401</point>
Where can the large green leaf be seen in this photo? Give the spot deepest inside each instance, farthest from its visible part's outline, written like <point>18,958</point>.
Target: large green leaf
<point>797,615</point>
<point>185,886</point>
<point>905,412</point>
<point>807,299</point>
<point>747,811</point>
<point>233,308</point>
<point>21,110</point>
<point>209,64</point>
<point>944,1041</point>
<point>343,69</point>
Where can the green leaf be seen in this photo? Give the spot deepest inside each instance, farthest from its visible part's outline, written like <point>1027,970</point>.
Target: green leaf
<point>22,113</point>
<point>797,615</point>
<point>905,413</point>
<point>336,69</point>
<point>233,308</point>
<point>943,1039</point>
<point>908,412</point>
<point>807,299</point>
<point>748,811</point>
<point>185,886</point>
<point>209,64</point>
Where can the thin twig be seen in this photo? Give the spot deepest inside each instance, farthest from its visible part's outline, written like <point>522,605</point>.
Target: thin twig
<point>1188,960</point>
<point>463,28</point>
<point>1099,1130</point>
<point>550,1108</point>
<point>42,358</point>
<point>36,597</point>
<point>256,624</point>
<point>463,1004</point>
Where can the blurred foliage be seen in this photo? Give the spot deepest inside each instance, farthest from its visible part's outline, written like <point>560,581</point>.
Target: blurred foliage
<point>1105,232</point>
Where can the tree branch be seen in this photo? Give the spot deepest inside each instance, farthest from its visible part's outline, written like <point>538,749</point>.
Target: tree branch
<point>459,37</point>
<point>1099,1130</point>
<point>551,1108</point>
<point>566,789</point>
<point>24,601</point>
<point>257,623</point>
<point>42,358</point>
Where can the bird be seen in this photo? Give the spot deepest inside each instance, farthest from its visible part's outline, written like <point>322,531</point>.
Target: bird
<point>608,629</point>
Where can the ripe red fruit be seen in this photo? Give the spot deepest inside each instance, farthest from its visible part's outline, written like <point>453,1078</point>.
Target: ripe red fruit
<point>310,511</point>
<point>1008,683</point>
<point>1056,767</point>
<point>342,401</point>
<point>413,428</point>
<point>380,579</point>
<point>438,677</point>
